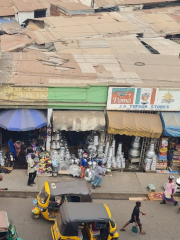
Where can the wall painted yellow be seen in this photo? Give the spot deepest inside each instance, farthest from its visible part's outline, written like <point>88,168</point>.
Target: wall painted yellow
<point>23,94</point>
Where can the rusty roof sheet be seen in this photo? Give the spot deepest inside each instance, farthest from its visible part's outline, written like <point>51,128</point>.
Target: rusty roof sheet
<point>10,43</point>
<point>73,6</point>
<point>5,3</point>
<point>110,3</point>
<point>78,27</point>
<point>52,69</point>
<point>28,5</point>
<point>7,11</point>
<point>153,24</point>
<point>10,27</point>
<point>163,46</point>
<point>113,45</point>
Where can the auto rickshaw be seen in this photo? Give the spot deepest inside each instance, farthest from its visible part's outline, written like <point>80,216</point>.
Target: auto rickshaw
<point>89,221</point>
<point>7,228</point>
<point>53,195</point>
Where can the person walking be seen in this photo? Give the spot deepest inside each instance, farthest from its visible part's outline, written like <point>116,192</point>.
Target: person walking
<point>98,175</point>
<point>169,191</point>
<point>135,218</point>
<point>31,170</point>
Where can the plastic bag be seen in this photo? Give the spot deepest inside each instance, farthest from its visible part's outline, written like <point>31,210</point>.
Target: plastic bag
<point>134,229</point>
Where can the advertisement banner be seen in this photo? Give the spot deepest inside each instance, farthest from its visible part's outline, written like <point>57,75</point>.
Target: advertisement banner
<point>147,99</point>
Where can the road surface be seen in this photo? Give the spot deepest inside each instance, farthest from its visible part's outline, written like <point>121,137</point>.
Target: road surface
<point>161,222</point>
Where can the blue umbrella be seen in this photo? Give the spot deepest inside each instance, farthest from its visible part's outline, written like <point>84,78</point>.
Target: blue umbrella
<point>22,119</point>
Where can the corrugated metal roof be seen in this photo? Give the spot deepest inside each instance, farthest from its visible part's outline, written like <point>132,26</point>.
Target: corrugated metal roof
<point>78,27</point>
<point>5,3</point>
<point>153,25</point>
<point>7,11</point>
<point>10,27</point>
<point>73,6</point>
<point>28,5</point>
<point>104,3</point>
<point>10,43</point>
<point>163,46</point>
<point>113,45</point>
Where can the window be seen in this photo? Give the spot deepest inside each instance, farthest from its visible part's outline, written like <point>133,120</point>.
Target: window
<point>113,224</point>
<point>73,198</point>
<point>39,13</point>
<point>43,196</point>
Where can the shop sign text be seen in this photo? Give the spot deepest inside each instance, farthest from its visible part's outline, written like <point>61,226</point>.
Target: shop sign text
<point>148,99</point>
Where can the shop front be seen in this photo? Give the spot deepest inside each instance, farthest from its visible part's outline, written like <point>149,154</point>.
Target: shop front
<point>21,129</point>
<point>76,125</point>
<point>169,151</point>
<point>76,133</point>
<point>137,135</point>
<point>134,121</point>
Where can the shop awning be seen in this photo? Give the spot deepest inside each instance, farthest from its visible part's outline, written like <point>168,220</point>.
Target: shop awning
<point>171,123</point>
<point>78,120</point>
<point>22,119</point>
<point>134,124</point>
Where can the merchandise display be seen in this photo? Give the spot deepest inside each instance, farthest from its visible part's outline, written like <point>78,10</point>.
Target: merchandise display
<point>96,148</point>
<point>175,163</point>
<point>162,155</point>
<point>43,162</point>
<point>134,151</point>
<point>2,160</point>
<point>150,158</point>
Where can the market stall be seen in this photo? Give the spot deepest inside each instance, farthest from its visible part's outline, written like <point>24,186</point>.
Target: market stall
<point>169,150</point>
<point>19,127</point>
<point>139,131</point>
<point>76,133</point>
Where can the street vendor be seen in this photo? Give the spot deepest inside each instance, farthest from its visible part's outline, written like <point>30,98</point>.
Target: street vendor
<point>17,146</point>
<point>169,191</point>
<point>83,164</point>
<point>11,147</point>
<point>34,144</point>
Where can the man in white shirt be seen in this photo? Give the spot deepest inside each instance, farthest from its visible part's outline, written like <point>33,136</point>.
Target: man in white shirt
<point>31,170</point>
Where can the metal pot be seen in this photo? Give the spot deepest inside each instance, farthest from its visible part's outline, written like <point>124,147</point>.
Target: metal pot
<point>146,160</point>
<point>134,152</point>
<point>136,145</point>
<point>150,154</point>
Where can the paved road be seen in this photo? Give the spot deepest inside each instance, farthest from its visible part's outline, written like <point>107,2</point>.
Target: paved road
<point>161,221</point>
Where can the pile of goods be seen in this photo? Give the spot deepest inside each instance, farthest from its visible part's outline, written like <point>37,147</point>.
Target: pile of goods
<point>155,196</point>
<point>43,162</point>
<point>162,156</point>
<point>150,158</point>
<point>61,157</point>
<point>6,162</point>
<point>114,160</point>
<point>96,147</point>
<point>2,160</point>
<point>134,151</point>
<point>175,165</point>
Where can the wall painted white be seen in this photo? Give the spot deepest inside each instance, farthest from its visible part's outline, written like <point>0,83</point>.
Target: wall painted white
<point>22,16</point>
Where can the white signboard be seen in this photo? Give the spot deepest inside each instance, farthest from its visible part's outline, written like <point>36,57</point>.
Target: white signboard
<point>147,99</point>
